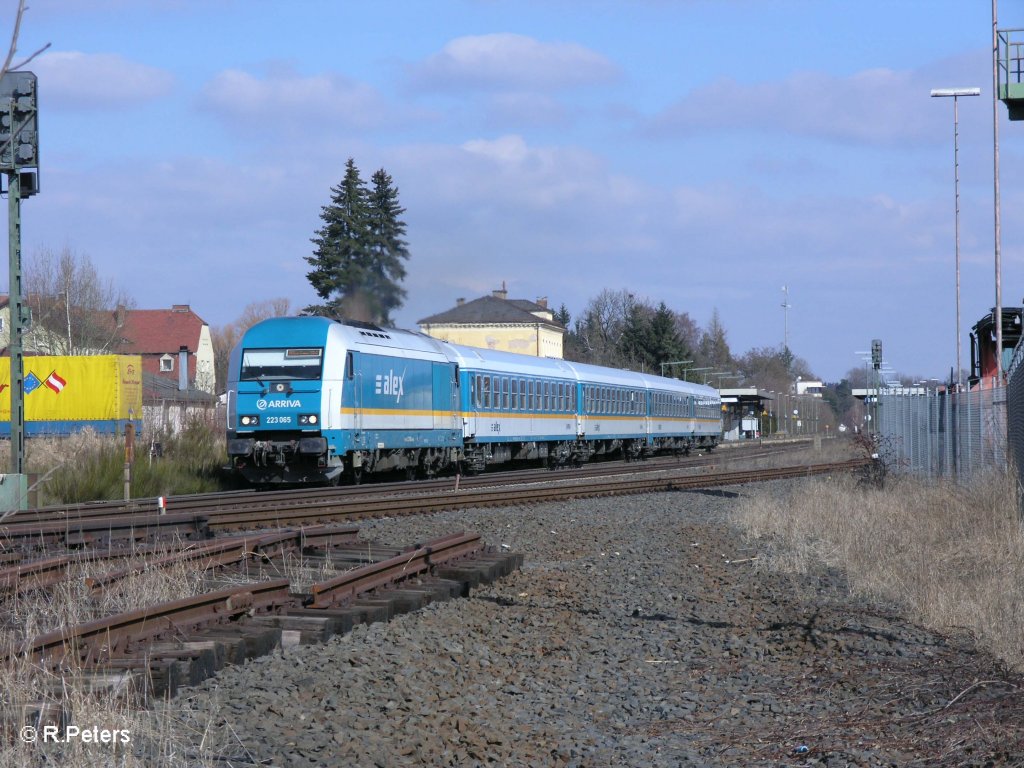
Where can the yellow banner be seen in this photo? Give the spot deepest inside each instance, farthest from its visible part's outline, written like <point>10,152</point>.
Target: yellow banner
<point>99,387</point>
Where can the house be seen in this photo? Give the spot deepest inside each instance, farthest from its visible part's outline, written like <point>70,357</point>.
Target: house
<point>497,322</point>
<point>168,340</point>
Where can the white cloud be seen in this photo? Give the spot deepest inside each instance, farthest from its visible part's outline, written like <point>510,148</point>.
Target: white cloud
<point>78,80</point>
<point>878,106</point>
<point>287,99</point>
<point>505,61</point>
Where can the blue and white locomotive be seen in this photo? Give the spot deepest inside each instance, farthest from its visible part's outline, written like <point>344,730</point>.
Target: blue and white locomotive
<point>312,400</point>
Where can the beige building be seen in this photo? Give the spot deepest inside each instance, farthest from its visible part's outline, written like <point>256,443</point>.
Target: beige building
<point>498,322</point>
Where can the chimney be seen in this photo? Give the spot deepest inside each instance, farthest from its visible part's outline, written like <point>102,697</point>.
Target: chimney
<point>501,293</point>
<point>119,315</point>
<point>543,302</point>
<point>460,301</point>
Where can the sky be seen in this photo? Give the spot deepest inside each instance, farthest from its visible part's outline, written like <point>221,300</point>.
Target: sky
<point>703,153</point>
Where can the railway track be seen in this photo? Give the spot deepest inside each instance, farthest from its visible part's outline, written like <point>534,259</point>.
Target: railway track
<point>210,503</point>
<point>182,641</point>
<point>303,507</point>
<point>23,540</point>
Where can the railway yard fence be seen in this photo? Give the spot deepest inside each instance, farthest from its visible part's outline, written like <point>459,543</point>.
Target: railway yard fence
<point>937,433</point>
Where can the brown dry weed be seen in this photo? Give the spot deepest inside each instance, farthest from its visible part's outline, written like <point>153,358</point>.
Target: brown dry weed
<point>952,557</point>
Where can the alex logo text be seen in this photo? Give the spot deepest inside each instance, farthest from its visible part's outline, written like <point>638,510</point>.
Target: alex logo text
<point>389,384</point>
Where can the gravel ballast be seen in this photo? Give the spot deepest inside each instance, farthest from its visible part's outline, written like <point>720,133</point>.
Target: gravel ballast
<point>641,631</point>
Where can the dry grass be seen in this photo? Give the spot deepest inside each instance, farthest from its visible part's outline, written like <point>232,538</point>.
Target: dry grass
<point>73,698</point>
<point>951,557</point>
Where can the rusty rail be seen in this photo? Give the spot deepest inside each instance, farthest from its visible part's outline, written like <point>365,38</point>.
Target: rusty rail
<point>555,488</point>
<point>119,636</point>
<point>235,549</point>
<point>351,584</point>
<point>100,531</point>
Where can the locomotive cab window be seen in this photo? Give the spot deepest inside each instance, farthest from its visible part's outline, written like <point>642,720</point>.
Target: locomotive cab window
<point>289,364</point>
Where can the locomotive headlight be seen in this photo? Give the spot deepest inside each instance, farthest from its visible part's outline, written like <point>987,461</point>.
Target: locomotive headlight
<point>249,421</point>
<point>308,419</point>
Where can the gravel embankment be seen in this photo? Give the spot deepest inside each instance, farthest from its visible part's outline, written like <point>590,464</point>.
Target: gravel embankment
<point>639,633</point>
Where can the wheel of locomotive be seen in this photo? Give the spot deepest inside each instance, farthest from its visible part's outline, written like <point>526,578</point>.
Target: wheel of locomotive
<point>357,475</point>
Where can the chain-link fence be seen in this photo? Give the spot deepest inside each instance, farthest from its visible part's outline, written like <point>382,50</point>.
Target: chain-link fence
<point>944,434</point>
<point>1015,411</point>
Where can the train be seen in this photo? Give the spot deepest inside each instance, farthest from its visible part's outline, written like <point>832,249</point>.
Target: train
<point>312,400</point>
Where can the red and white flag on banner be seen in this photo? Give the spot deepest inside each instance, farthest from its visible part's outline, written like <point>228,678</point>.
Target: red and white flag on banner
<point>55,382</point>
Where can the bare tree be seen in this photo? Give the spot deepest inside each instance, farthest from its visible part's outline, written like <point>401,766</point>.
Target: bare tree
<point>599,331</point>
<point>74,311</point>
<point>225,337</point>
<point>13,49</point>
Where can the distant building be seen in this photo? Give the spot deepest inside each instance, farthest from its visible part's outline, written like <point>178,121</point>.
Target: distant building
<point>498,322</point>
<point>166,337</point>
<point>812,388</point>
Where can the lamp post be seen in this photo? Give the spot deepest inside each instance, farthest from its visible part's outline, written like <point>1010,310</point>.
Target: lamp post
<point>956,93</point>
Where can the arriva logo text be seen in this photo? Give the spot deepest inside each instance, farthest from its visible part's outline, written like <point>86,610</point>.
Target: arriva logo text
<point>262,404</point>
<point>389,384</point>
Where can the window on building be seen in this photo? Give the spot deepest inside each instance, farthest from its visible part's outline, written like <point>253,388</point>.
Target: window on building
<point>166,363</point>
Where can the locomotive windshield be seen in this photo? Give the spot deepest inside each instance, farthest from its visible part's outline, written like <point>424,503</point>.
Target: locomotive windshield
<point>291,364</point>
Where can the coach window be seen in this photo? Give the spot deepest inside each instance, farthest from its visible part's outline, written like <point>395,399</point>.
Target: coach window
<point>562,397</point>
<point>515,395</point>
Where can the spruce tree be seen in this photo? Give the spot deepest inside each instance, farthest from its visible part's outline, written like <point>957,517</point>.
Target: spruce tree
<point>360,250</point>
<point>388,247</point>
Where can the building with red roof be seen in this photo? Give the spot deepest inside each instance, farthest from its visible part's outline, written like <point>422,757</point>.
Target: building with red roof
<point>167,339</point>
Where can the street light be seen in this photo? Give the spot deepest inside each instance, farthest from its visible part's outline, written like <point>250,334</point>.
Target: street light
<point>956,93</point>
